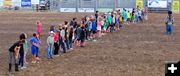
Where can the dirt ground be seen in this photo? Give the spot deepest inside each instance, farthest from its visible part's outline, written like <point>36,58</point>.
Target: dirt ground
<point>138,50</point>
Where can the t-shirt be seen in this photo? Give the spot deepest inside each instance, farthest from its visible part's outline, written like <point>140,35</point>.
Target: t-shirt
<point>62,33</point>
<point>109,18</point>
<point>50,40</point>
<point>94,27</point>
<point>78,32</point>
<point>128,15</point>
<point>56,37</point>
<point>26,45</point>
<point>89,25</point>
<point>39,28</point>
<point>17,44</point>
<point>82,34</point>
<point>33,40</point>
<point>169,21</point>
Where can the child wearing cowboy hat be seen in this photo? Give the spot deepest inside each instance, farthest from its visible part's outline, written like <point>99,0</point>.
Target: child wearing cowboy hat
<point>50,42</point>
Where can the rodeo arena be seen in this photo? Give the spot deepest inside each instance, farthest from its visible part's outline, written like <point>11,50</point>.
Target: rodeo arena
<point>89,37</point>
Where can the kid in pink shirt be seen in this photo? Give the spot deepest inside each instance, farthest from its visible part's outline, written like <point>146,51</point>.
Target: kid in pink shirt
<point>39,27</point>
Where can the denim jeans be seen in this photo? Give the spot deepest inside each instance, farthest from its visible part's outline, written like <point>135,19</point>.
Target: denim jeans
<point>70,43</point>
<point>21,59</point>
<point>169,29</point>
<point>50,49</point>
<point>67,44</point>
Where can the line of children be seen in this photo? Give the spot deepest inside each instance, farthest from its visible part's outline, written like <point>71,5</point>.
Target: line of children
<point>63,37</point>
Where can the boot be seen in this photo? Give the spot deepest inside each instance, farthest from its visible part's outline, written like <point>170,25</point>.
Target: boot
<point>10,66</point>
<point>16,67</point>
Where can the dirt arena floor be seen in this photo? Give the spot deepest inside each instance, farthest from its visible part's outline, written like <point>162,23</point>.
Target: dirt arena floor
<point>138,50</point>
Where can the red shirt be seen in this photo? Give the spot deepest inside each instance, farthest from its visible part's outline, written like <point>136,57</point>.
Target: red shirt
<point>56,37</point>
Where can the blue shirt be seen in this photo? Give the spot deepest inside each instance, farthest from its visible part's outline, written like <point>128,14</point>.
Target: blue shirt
<point>94,26</point>
<point>33,40</point>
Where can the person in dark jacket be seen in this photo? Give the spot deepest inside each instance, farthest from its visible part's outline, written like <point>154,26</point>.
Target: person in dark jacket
<point>14,51</point>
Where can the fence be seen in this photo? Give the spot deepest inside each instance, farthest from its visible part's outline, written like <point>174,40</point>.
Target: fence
<point>86,5</point>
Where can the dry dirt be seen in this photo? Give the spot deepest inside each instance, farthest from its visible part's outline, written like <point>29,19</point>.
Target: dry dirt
<point>138,50</point>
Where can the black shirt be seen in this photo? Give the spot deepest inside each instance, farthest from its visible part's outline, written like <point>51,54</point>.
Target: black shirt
<point>17,44</point>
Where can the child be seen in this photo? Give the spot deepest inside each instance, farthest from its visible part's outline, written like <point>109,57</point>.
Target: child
<point>21,52</point>
<point>113,22</point>
<point>133,15</point>
<point>169,23</point>
<point>39,27</point>
<point>96,16</point>
<point>37,51</point>
<point>121,21</point>
<point>71,38</point>
<point>140,16</point>
<point>82,36</point>
<point>25,49</point>
<point>128,17</point>
<point>88,24</point>
<point>34,44</point>
<point>146,13</point>
<point>50,43</point>
<point>73,23</point>
<point>104,24</point>
<point>124,15</point>
<point>61,38</point>
<point>99,25</point>
<point>66,35</point>
<point>78,35</point>
<point>56,45</point>
<point>109,20</point>
<point>14,53</point>
<point>94,28</point>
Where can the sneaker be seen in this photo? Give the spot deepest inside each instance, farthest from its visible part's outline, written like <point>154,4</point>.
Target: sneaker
<point>71,48</point>
<point>23,67</point>
<point>38,58</point>
<point>33,62</point>
<point>94,40</point>
<point>56,55</point>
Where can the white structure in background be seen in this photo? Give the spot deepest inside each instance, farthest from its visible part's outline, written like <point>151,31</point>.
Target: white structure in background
<point>157,3</point>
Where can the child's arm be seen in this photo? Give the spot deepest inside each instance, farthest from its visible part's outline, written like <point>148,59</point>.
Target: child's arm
<point>48,41</point>
<point>16,50</point>
<point>35,44</point>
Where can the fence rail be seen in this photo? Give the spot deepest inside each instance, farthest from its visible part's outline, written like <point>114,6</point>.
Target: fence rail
<point>82,5</point>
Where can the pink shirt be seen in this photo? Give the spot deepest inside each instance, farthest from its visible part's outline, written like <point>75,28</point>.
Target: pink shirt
<point>39,28</point>
<point>99,25</point>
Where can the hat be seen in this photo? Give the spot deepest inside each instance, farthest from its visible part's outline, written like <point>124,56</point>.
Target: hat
<point>51,32</point>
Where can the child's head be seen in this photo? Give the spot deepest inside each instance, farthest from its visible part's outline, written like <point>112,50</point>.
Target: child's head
<point>34,34</point>
<point>169,12</point>
<point>97,11</point>
<point>38,22</point>
<point>65,22</point>
<point>22,36</point>
<point>74,19</point>
<point>51,33</point>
